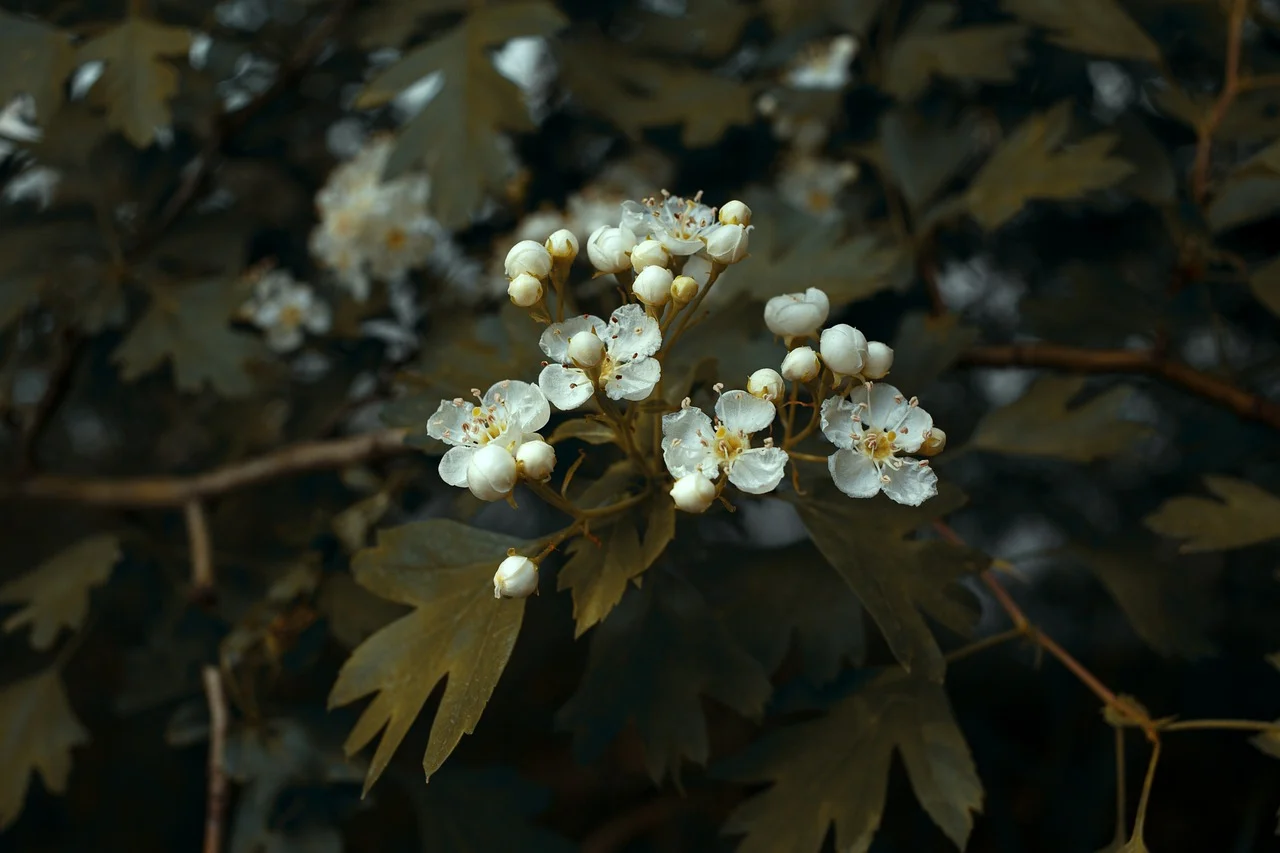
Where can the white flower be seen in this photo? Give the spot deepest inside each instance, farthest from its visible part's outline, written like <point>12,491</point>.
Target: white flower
<point>735,213</point>
<point>653,286</point>
<point>649,253</point>
<point>765,383</point>
<point>825,67</point>
<point>492,472</point>
<point>679,224</point>
<point>285,309</point>
<point>801,365</point>
<point>844,349</point>
<point>509,414</point>
<point>879,360</point>
<point>528,258</point>
<point>693,493</point>
<point>870,429</point>
<point>517,577</point>
<point>728,243</point>
<point>525,290</point>
<point>536,460</point>
<point>609,248</point>
<point>563,245</point>
<point>797,315</point>
<point>692,444</point>
<point>627,371</point>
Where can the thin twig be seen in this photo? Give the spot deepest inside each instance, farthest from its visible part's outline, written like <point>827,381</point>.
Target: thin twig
<point>1230,88</point>
<point>202,580</point>
<point>179,491</point>
<point>216,804</point>
<point>1140,820</point>
<point>1122,806</point>
<point>1222,726</point>
<point>1142,362</point>
<point>61,375</point>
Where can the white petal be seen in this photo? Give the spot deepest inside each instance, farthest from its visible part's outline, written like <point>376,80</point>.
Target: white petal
<point>854,473</point>
<point>911,484</point>
<point>632,334</point>
<point>838,424</point>
<point>446,423</point>
<point>740,411</point>
<point>527,408</point>
<point>911,429</point>
<point>453,466</point>
<point>686,443</point>
<point>284,338</point>
<point>698,268</point>
<point>637,218</point>
<point>677,246</point>
<point>319,318</point>
<point>759,470</point>
<point>632,380</point>
<point>566,387</point>
<point>555,338</point>
<point>885,405</point>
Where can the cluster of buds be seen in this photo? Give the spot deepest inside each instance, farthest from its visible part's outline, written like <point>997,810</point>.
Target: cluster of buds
<point>844,350</point>
<point>530,264</point>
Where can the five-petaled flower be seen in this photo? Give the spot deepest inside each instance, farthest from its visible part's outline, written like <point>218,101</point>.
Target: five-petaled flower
<point>509,413</point>
<point>691,443</point>
<point>871,428</point>
<point>681,225</point>
<point>627,370</point>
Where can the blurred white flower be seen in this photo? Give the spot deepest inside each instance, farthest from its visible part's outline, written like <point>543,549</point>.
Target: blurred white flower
<point>286,310</point>
<point>528,62</point>
<point>814,184</point>
<point>824,66</point>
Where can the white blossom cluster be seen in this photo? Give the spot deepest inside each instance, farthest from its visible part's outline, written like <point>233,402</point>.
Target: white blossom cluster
<point>286,310</point>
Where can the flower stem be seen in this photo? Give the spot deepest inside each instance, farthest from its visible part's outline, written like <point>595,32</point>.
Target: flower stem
<point>623,428</point>
<point>806,457</point>
<point>1222,725</point>
<point>692,308</point>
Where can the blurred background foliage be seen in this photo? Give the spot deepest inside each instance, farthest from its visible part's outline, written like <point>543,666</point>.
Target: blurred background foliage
<point>1063,214</point>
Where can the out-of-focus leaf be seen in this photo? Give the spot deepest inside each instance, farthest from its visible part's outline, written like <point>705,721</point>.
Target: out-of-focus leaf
<point>1098,27</point>
<point>598,573</point>
<point>896,578</point>
<point>1039,423</point>
<point>708,28</point>
<point>651,661</point>
<point>1254,115</point>
<point>38,730</point>
<point>138,80</point>
<point>636,92</point>
<point>1165,602</point>
<point>59,263</point>
<point>923,156</point>
<point>455,813</point>
<point>1245,515</point>
<point>835,769</point>
<point>855,18</point>
<point>444,570</point>
<point>768,598</point>
<point>925,346</point>
<point>584,429</point>
<point>1032,164</point>
<point>1265,284</point>
<point>1067,311</point>
<point>1245,197</point>
<point>56,594</point>
<point>457,135</point>
<point>987,53</point>
<point>390,23</point>
<point>35,59</point>
<point>352,612</point>
<point>1153,179</point>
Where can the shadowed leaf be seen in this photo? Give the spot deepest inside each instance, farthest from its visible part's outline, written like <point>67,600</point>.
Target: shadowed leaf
<point>35,59</point>
<point>1265,284</point>
<point>1245,515</point>
<point>925,346</point>
<point>584,429</point>
<point>390,23</point>
<point>987,53</point>
<point>56,594</point>
<point>139,82</point>
<point>455,813</point>
<point>38,730</point>
<point>598,574</point>
<point>923,156</point>
<point>1099,27</point>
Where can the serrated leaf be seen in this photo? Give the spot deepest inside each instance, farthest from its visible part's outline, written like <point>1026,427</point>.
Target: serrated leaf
<point>652,661</point>
<point>455,813</point>
<point>855,18</point>
<point>925,346</point>
<point>1032,164</point>
<point>768,599</point>
<point>987,53</point>
<point>35,59</point>
<point>1244,197</point>
<point>391,22</point>
<point>1040,423</point>
<point>457,630</point>
<point>56,594</point>
<point>598,573</point>
<point>38,730</point>
<point>659,529</point>
<point>189,326</point>
<point>590,430</point>
<point>835,770</point>
<point>457,135</point>
<point>1098,27</point>
<point>923,156</point>
<point>139,82</point>
<point>1265,284</point>
<point>896,579</point>
<point>636,92</point>
<point>707,28</point>
<point>1245,515</point>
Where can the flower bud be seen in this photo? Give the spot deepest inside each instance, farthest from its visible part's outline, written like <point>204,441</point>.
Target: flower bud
<point>766,383</point>
<point>562,245</point>
<point>735,213</point>
<point>524,290</point>
<point>801,365</point>
<point>536,460</point>
<point>844,349</point>
<point>609,248</point>
<point>528,257</point>
<point>586,349</point>
<point>517,577</point>
<point>683,289</point>
<point>491,474</point>
<point>797,315</point>
<point>653,285</point>
<point>935,441</point>
<point>879,360</point>
<point>649,253</point>
<point>727,244</point>
<point>693,493</point>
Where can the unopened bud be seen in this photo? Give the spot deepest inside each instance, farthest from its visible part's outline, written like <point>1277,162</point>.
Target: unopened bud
<point>735,213</point>
<point>879,360</point>
<point>653,286</point>
<point>693,493</point>
<point>528,257</point>
<point>517,577</point>
<point>536,460</point>
<point>586,349</point>
<point>935,441</point>
<point>562,245</point>
<point>801,365</point>
<point>649,253</point>
<point>765,383</point>
<point>525,290</point>
<point>491,473</point>
<point>683,289</point>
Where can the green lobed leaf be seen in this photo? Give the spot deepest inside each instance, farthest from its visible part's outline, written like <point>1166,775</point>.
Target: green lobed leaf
<point>923,156</point>
<point>651,661</point>
<point>1245,515</point>
<point>925,346</point>
<point>391,23</point>
<point>1040,423</point>
<point>1098,27</point>
<point>597,573</point>
<point>139,82</point>
<point>38,730</point>
<point>35,59</point>
<point>457,630</point>
<point>1246,196</point>
<point>988,53</point>
<point>835,770</point>
<point>1265,284</point>
<point>56,593</point>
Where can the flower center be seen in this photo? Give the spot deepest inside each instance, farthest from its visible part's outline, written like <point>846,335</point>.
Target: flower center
<point>729,444</point>
<point>291,316</point>
<point>879,445</point>
<point>484,426</point>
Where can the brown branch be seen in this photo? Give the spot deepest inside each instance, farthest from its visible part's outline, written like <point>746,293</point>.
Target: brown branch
<point>181,491</point>
<point>1082,360</point>
<point>1230,88</point>
<point>216,804</point>
<point>202,580</point>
